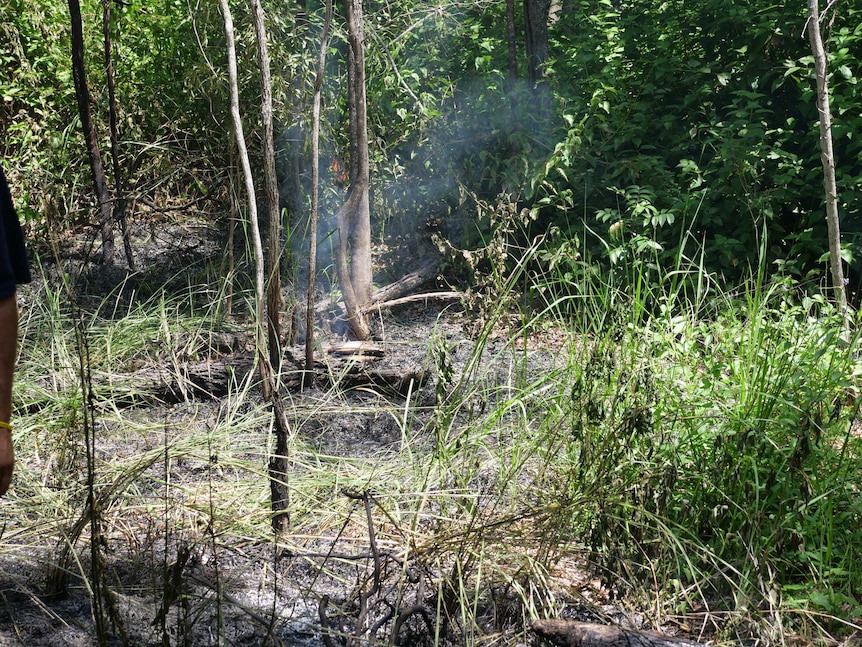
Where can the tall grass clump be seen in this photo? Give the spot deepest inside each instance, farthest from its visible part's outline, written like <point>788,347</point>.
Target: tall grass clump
<point>713,436</point>
<point>97,443</point>
<point>770,404</point>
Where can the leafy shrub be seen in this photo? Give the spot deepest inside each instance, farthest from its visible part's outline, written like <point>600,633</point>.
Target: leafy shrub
<point>708,107</point>
<point>716,453</point>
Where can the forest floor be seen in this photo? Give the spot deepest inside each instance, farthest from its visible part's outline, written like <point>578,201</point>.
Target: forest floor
<point>183,495</point>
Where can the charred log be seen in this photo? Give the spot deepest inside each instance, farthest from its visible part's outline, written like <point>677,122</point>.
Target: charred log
<point>571,633</point>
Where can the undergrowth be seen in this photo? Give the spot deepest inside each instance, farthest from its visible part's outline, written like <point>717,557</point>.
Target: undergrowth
<point>646,444</point>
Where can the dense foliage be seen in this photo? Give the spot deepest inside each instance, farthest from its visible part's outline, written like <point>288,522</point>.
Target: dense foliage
<point>694,124</point>
<point>691,125</point>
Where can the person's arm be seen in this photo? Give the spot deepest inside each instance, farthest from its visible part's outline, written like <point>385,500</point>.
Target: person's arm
<point>8,352</point>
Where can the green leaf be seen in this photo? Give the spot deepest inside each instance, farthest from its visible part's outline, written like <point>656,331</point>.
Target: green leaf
<point>820,600</point>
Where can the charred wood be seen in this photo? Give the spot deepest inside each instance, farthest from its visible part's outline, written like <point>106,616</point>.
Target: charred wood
<point>571,633</point>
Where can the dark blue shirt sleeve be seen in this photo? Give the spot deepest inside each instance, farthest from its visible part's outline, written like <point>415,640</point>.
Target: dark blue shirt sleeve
<point>14,267</point>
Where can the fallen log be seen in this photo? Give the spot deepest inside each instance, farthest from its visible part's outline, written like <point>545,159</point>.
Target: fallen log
<point>571,633</point>
<point>424,297</point>
<point>395,290</point>
<point>389,381</point>
<point>407,283</point>
<point>207,379</point>
<point>355,349</point>
<point>213,379</point>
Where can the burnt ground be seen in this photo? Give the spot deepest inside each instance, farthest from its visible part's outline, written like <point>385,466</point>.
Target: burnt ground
<point>183,567</point>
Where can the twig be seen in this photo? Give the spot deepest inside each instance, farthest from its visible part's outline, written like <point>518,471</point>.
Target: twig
<point>372,539</point>
<point>324,621</point>
<point>164,209</point>
<point>420,609</point>
<point>352,558</point>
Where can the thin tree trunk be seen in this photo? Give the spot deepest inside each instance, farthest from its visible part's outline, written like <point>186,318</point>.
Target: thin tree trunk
<point>231,239</point>
<point>233,219</point>
<point>315,197</point>
<point>536,16</point>
<point>245,165</point>
<point>513,47</point>
<point>273,274</point>
<point>277,463</point>
<point>827,156</point>
<point>353,257</point>
<point>120,202</point>
<point>82,95</point>
<point>360,236</point>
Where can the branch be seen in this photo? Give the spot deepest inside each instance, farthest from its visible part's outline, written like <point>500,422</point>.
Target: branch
<point>415,298</point>
<point>401,80</point>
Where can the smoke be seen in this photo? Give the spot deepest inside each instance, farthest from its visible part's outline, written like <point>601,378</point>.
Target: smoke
<point>481,140</point>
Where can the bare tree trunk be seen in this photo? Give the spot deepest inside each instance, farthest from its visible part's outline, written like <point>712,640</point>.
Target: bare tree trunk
<point>120,202</point>
<point>315,197</point>
<point>231,239</point>
<point>536,16</point>
<point>82,94</point>
<point>513,52</point>
<point>296,138</point>
<point>245,164</point>
<point>273,275</point>
<point>353,252</point>
<point>233,219</point>
<point>827,156</point>
<point>277,463</point>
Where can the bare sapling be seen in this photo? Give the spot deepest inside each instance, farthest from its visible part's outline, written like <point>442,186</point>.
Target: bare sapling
<point>277,463</point>
<point>315,198</point>
<point>827,155</point>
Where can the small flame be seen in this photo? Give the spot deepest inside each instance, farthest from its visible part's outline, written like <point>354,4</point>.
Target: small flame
<point>340,171</point>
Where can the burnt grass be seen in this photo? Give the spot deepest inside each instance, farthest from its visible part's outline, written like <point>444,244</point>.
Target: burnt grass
<point>177,561</point>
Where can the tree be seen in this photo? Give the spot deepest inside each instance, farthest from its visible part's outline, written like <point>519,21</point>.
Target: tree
<point>315,196</point>
<point>536,15</point>
<point>513,52</point>
<point>827,156</point>
<point>119,209</point>
<point>353,250</point>
<point>278,462</point>
<point>82,95</point>
<point>273,258</point>
<point>239,138</point>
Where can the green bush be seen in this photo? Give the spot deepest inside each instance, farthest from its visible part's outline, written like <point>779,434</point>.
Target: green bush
<point>716,454</point>
<point>709,107</point>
